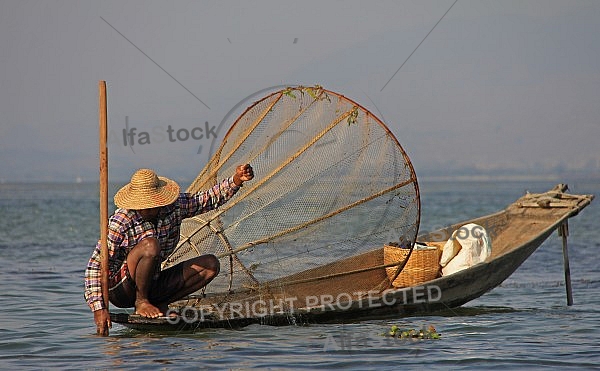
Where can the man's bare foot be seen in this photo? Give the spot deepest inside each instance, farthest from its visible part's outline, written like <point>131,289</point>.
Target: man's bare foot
<point>146,309</point>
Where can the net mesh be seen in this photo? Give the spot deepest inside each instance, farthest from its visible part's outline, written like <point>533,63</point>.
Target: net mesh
<point>332,185</point>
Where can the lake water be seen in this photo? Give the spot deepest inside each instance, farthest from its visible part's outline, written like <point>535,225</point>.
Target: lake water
<point>48,231</point>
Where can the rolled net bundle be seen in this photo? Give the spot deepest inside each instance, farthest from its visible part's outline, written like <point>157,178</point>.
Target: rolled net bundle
<point>332,185</point>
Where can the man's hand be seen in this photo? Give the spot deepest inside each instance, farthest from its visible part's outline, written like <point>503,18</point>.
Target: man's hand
<point>102,320</point>
<point>243,173</point>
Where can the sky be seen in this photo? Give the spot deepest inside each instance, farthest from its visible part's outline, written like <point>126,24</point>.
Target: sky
<point>494,88</point>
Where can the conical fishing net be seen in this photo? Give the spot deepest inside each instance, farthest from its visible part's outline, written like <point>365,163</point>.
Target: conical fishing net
<point>332,185</point>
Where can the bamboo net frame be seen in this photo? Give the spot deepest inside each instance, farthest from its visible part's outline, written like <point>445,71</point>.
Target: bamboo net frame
<point>331,184</point>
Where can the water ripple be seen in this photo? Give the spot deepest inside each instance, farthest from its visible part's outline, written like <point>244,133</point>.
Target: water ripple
<point>524,323</point>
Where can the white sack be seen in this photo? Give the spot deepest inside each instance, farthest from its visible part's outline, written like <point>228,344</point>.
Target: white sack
<point>469,245</point>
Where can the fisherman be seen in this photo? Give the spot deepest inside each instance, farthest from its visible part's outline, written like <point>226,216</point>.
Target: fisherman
<point>142,232</point>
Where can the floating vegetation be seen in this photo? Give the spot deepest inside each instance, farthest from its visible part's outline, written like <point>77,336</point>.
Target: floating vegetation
<point>423,333</point>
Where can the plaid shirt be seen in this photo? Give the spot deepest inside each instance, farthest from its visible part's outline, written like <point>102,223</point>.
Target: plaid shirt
<point>126,228</point>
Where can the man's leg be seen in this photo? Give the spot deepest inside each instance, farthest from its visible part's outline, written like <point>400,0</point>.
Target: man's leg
<point>197,273</point>
<point>143,262</point>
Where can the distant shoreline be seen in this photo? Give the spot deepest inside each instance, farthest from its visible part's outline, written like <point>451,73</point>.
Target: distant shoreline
<point>421,178</point>
<point>508,178</point>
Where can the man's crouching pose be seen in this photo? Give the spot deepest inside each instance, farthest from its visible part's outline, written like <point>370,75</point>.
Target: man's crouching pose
<point>142,232</point>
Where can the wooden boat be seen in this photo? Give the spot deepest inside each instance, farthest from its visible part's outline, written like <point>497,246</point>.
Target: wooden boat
<point>516,232</point>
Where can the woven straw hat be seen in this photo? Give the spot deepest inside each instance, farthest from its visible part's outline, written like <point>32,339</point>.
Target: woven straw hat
<point>146,190</point>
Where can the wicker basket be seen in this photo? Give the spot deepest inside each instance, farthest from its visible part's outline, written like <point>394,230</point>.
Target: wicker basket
<point>422,266</point>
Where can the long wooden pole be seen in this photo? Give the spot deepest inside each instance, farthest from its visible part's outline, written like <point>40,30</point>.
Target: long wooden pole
<point>563,231</point>
<point>103,191</point>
